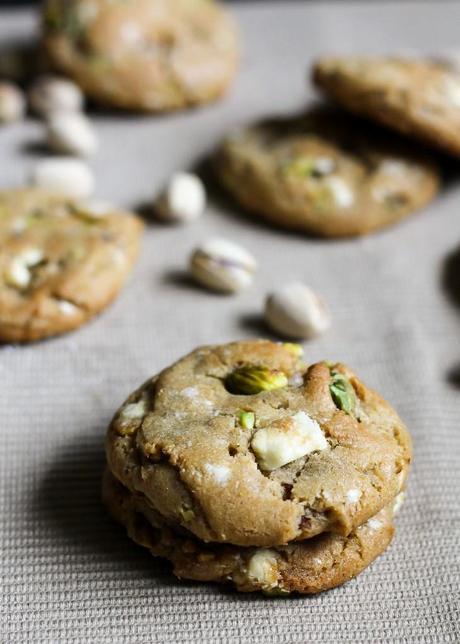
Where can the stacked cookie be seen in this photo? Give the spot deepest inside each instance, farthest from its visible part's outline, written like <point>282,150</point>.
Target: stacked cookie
<point>334,174</point>
<point>241,464</point>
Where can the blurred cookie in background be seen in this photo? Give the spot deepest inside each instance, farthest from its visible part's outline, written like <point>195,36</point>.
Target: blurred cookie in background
<point>145,55</point>
<point>326,173</point>
<point>62,261</point>
<point>416,96</point>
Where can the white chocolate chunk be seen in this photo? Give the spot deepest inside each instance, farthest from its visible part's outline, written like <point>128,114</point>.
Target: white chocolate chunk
<point>133,411</point>
<point>353,495</point>
<point>341,191</point>
<point>374,524</point>
<point>67,308</point>
<point>287,440</point>
<point>393,167</point>
<point>263,568</point>
<point>18,273</point>
<point>324,165</point>
<point>220,473</point>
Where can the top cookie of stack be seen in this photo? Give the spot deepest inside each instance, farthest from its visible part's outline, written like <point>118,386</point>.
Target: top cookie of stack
<point>243,445</point>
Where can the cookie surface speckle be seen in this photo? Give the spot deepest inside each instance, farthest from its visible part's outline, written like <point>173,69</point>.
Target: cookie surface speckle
<point>325,173</point>
<point>59,264</point>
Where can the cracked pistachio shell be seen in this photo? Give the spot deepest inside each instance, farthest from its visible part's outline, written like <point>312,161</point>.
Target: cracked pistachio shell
<point>223,266</point>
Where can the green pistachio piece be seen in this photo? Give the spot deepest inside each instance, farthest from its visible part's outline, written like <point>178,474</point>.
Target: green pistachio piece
<point>300,167</point>
<point>276,592</point>
<point>293,348</point>
<point>187,514</point>
<point>252,379</point>
<point>247,419</point>
<point>342,392</point>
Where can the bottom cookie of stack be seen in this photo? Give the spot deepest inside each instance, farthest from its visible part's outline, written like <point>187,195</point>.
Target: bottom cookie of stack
<point>304,567</point>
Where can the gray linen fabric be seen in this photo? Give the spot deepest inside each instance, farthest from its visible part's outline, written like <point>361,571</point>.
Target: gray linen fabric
<point>68,574</point>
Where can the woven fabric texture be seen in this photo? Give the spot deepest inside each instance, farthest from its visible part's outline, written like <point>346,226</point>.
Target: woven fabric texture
<point>68,573</point>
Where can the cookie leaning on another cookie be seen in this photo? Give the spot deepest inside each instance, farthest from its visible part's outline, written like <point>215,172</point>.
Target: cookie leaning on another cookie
<point>61,262</point>
<point>326,173</point>
<point>305,567</point>
<point>243,444</point>
<point>146,55</point>
<point>420,98</point>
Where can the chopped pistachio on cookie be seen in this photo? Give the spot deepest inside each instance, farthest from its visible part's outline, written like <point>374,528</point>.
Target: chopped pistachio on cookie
<point>252,379</point>
<point>342,392</point>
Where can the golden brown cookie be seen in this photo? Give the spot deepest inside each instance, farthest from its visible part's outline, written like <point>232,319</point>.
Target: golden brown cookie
<point>61,262</point>
<point>420,98</point>
<point>147,55</point>
<point>304,567</point>
<point>242,443</point>
<point>326,173</point>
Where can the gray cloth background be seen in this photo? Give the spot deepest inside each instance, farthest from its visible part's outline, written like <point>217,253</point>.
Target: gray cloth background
<point>68,574</point>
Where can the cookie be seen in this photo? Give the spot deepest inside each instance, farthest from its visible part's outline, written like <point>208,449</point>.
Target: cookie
<point>304,567</point>
<point>420,98</point>
<point>61,262</point>
<point>146,55</point>
<point>325,173</point>
<point>243,444</point>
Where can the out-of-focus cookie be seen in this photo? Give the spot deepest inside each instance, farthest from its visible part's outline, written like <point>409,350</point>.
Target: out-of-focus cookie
<point>420,98</point>
<point>325,173</point>
<point>147,55</point>
<point>61,261</point>
<point>242,443</point>
<point>304,567</point>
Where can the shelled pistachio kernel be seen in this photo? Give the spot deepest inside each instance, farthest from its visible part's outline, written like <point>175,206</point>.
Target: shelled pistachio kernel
<point>342,392</point>
<point>286,440</point>
<point>71,133</point>
<point>71,177</point>
<point>183,200</point>
<point>12,103</point>
<point>50,94</point>
<point>223,266</point>
<point>253,379</point>
<point>295,311</point>
<point>18,272</point>
<point>247,419</point>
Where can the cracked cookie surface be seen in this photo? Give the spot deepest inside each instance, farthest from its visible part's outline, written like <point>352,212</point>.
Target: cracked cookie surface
<point>297,452</point>
<point>325,173</point>
<point>305,567</point>
<point>420,98</point>
<point>147,55</point>
<point>60,264</point>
